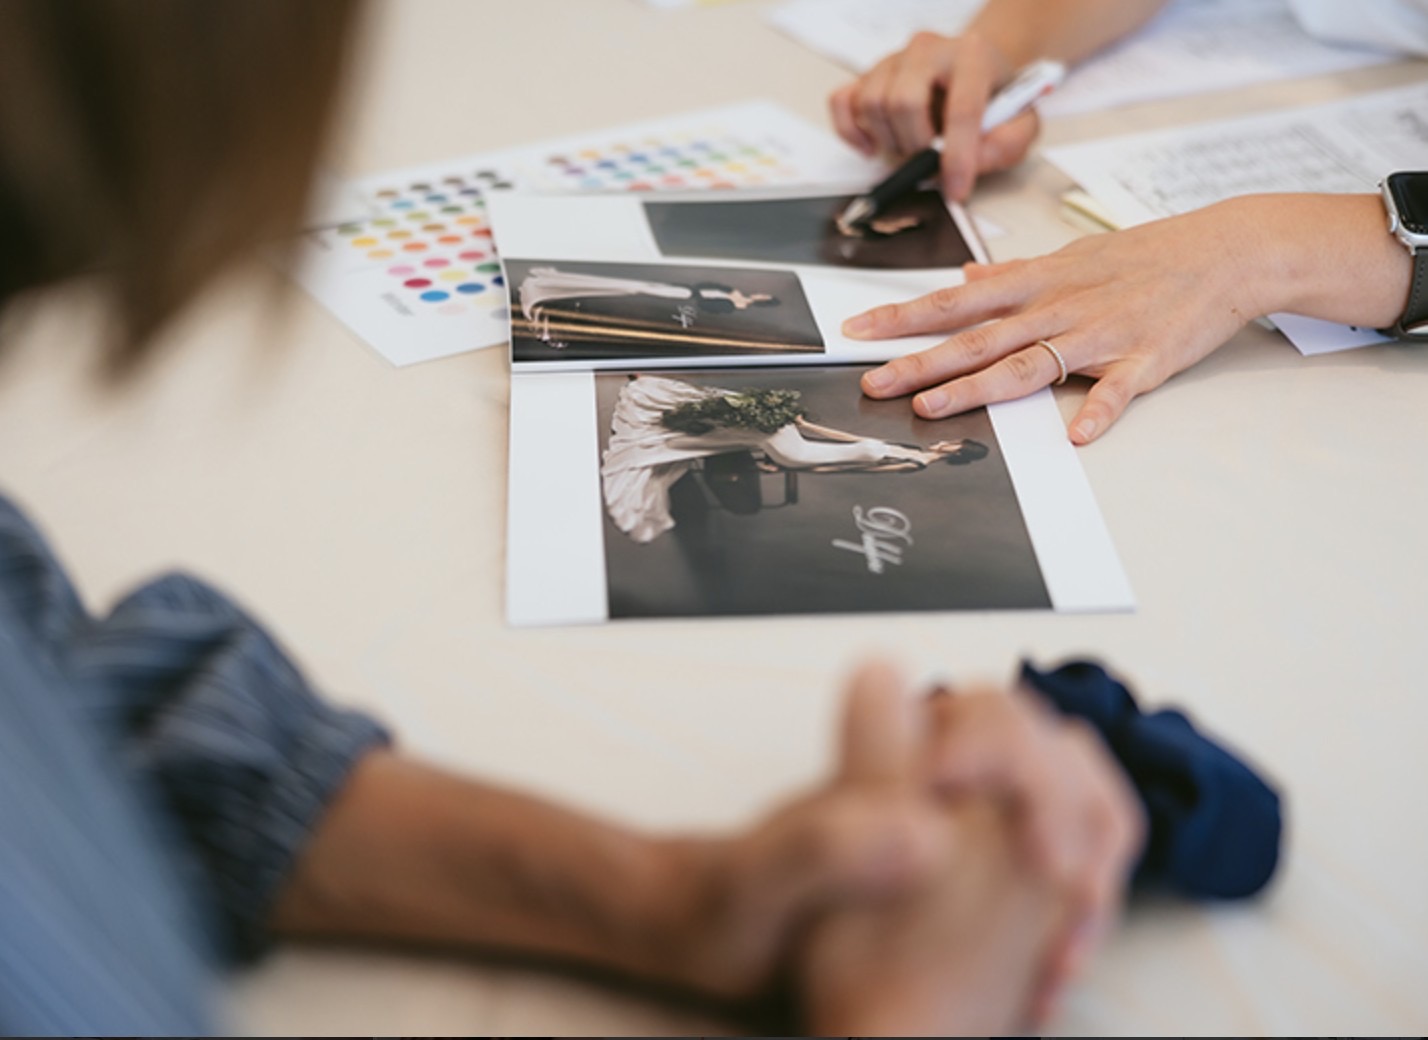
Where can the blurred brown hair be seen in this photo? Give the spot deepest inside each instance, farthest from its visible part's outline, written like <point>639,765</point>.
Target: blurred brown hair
<point>154,139</point>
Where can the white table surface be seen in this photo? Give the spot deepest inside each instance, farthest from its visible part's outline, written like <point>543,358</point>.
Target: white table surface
<point>1270,510</point>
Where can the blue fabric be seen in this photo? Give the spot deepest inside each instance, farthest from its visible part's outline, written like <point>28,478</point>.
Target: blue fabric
<point>160,770</point>
<point>1215,824</point>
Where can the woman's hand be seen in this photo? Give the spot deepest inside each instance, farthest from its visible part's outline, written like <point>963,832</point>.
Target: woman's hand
<point>941,84</point>
<point>867,836</point>
<point>1079,822</point>
<point>1038,831</point>
<point>963,956</point>
<point>1129,309</point>
<point>961,947</point>
<point>952,876</point>
<point>1132,308</point>
<point>936,85</point>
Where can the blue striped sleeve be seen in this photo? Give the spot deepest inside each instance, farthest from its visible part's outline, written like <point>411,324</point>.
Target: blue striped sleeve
<point>207,712</point>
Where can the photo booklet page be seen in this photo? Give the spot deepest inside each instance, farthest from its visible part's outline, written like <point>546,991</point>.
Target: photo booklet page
<point>689,438</point>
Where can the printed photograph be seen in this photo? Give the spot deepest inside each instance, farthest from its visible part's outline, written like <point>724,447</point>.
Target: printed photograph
<point>562,310</point>
<point>786,491</point>
<point>915,233</point>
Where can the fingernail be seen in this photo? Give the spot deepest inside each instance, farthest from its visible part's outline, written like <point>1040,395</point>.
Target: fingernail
<point>933,401</point>
<point>878,379</point>
<point>1083,430</point>
<point>858,325</point>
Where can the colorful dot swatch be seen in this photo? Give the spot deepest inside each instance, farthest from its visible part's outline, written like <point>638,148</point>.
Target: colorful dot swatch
<point>436,263</point>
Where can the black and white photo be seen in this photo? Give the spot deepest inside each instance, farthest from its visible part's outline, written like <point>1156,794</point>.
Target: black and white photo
<point>570,310</point>
<point>914,232</point>
<point>781,491</point>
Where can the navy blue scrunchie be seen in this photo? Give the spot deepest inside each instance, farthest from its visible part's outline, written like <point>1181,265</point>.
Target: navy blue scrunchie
<point>1215,824</point>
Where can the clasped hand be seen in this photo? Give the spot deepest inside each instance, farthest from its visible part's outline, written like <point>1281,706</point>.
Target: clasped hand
<point>951,877</point>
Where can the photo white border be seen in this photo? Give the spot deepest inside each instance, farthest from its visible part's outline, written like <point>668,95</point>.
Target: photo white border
<point>1068,532</point>
<point>555,537</point>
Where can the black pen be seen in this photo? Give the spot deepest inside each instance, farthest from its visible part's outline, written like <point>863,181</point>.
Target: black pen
<point>1030,85</point>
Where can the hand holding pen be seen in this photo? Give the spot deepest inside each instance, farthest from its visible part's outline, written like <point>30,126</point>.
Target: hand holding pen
<point>1028,86</point>
<point>936,86</point>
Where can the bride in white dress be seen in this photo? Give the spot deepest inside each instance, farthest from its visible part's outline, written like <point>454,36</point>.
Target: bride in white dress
<point>663,426</point>
<point>544,286</point>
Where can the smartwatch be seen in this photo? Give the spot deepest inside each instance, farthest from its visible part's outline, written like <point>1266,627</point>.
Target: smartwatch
<point>1405,197</point>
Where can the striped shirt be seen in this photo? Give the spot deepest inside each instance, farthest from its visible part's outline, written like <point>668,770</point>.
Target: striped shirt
<point>160,769</point>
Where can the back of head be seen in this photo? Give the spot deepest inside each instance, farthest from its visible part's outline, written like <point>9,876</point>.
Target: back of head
<point>153,140</point>
<point>967,451</point>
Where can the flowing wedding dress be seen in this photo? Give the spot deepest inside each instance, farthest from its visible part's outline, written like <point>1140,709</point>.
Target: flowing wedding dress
<point>645,457</point>
<point>543,286</point>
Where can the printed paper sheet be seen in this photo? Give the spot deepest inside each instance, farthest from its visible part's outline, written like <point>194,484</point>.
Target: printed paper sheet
<point>651,478</point>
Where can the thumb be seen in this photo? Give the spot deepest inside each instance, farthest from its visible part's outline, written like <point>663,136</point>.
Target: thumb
<point>1006,145</point>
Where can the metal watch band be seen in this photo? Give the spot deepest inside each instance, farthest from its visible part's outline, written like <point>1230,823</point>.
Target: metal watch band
<point>1413,324</point>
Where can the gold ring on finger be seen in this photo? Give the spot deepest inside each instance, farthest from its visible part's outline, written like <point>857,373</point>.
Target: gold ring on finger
<point>1060,361</point>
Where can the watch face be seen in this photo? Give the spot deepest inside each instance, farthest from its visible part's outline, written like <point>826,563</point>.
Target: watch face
<point>1410,198</point>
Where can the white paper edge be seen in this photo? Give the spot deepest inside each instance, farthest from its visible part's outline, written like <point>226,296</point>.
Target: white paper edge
<point>1314,336</point>
<point>555,548</point>
<point>1068,532</point>
<point>970,233</point>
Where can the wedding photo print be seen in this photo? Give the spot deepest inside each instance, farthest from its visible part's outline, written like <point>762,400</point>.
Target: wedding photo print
<point>570,310</point>
<point>915,232</point>
<point>786,491</point>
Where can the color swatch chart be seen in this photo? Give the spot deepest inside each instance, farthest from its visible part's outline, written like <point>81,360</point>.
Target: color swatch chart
<point>417,275</point>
